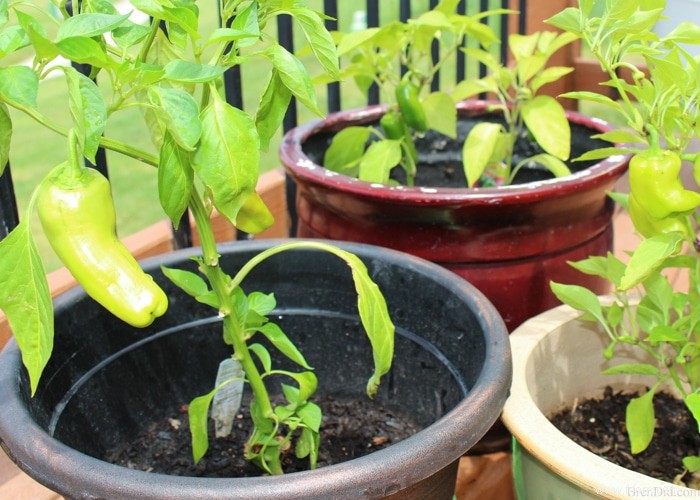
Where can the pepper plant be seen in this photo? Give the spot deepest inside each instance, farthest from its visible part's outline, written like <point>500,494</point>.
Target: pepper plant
<point>375,56</point>
<point>660,109</point>
<point>379,56</point>
<point>207,154</point>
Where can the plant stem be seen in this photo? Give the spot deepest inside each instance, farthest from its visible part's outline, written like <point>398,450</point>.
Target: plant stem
<point>222,286</point>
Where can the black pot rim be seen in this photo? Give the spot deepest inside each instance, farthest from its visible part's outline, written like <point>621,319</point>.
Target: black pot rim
<point>431,449</point>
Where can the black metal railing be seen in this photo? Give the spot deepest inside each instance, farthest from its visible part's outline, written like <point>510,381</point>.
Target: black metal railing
<point>233,83</point>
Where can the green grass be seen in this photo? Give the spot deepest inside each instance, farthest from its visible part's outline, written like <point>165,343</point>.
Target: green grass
<point>36,150</point>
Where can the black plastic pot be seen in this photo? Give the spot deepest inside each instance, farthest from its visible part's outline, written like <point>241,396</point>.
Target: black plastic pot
<point>452,372</point>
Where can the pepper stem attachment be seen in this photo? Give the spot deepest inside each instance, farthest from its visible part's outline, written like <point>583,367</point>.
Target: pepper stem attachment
<point>75,158</point>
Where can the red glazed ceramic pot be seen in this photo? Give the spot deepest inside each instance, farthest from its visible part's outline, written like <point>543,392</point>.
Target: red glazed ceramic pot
<point>509,242</point>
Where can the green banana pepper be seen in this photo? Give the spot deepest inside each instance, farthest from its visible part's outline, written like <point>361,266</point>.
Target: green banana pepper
<point>78,217</point>
<point>408,99</point>
<point>658,202</point>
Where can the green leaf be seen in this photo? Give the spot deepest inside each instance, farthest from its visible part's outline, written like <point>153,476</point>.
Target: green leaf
<point>5,136</point>
<point>567,20</point>
<point>685,32</point>
<point>89,25</point>
<point>180,113</point>
<point>603,153</point>
<point>307,384</point>
<point>378,160</point>
<point>319,39</point>
<point>227,159</point>
<point>175,179</point>
<point>129,35</point>
<point>469,88</point>
<point>579,298</point>
<point>692,402</point>
<point>441,113</point>
<point>351,41</point>
<point>619,136</point>
<point>640,420</point>
<point>691,463</point>
<point>272,109</point>
<point>189,72</point>
<point>161,10</point>
<point>263,355</point>
<point>246,21</point>
<point>26,300</point>
<point>346,149</point>
<point>478,150</point>
<point>191,283</point>
<point>11,39</point>
<point>279,339</point>
<point>19,85</point>
<point>648,257</point>
<point>294,76</point>
<point>307,446</point>
<point>632,369</point>
<point>262,303</point>
<point>44,48</point>
<point>198,412</point>
<point>84,51</point>
<point>557,167</point>
<point>609,267</point>
<point>593,97</point>
<point>88,109</point>
<point>549,75</point>
<point>545,118</point>
<point>664,333</point>
<point>310,414</point>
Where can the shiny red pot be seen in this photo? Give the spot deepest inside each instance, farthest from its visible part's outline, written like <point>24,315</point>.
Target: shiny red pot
<point>509,242</point>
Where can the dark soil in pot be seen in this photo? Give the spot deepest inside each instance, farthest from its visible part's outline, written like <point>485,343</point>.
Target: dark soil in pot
<point>599,426</point>
<point>440,156</point>
<point>351,428</point>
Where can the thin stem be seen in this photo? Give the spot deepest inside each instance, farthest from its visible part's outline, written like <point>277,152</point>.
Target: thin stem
<point>146,47</point>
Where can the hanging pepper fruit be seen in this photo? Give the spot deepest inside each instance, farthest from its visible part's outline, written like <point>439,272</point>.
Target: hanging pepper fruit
<point>658,202</point>
<point>408,99</point>
<point>77,214</point>
<point>395,128</point>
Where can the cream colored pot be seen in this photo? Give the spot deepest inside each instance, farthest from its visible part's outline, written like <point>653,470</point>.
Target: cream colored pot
<point>557,359</point>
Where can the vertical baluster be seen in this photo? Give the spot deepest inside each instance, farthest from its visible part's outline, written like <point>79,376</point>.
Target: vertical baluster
<point>522,20</point>
<point>9,215</point>
<point>461,63</point>
<point>435,54</point>
<point>373,21</point>
<point>330,8</point>
<point>404,15</point>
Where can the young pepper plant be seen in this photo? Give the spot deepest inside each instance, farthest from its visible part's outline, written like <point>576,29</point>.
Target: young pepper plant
<point>659,109</point>
<point>375,57</point>
<point>207,155</point>
<point>490,146</point>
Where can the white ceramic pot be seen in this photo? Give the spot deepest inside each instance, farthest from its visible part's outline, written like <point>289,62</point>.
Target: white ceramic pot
<point>556,359</point>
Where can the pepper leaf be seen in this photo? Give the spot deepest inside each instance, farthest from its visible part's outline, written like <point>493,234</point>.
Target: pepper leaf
<point>26,300</point>
<point>228,158</point>
<point>180,113</point>
<point>280,340</point>
<point>89,25</point>
<point>346,149</point>
<point>479,148</point>
<point>441,113</point>
<point>175,179</point>
<point>647,257</point>
<point>189,282</point>
<point>273,106</point>
<point>5,136</point>
<point>639,418</point>
<point>692,402</point>
<point>378,160</point>
<point>319,39</point>
<point>189,72</point>
<point>88,109</point>
<point>19,85</point>
<point>546,120</point>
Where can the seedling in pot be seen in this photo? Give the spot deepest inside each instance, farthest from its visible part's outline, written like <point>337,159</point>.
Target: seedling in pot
<point>660,111</point>
<point>207,157</point>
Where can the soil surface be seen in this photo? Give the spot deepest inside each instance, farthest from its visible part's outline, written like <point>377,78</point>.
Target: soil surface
<point>599,426</point>
<point>350,429</point>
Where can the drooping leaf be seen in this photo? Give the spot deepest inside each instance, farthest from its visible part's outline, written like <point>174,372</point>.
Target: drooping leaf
<point>579,298</point>
<point>545,118</point>
<point>88,109</point>
<point>692,402</point>
<point>254,216</point>
<point>175,179</point>
<point>190,72</point>
<point>11,39</point>
<point>26,300</point>
<point>45,49</point>
<point>227,159</point>
<point>294,76</point>
<point>246,21</point>
<point>273,106</point>
<point>84,51</point>
<point>263,355</point>
<point>319,40</point>
<point>632,369</point>
<point>307,384</point>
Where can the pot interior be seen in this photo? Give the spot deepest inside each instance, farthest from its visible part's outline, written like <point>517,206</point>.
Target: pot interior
<point>106,380</point>
<point>440,156</point>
